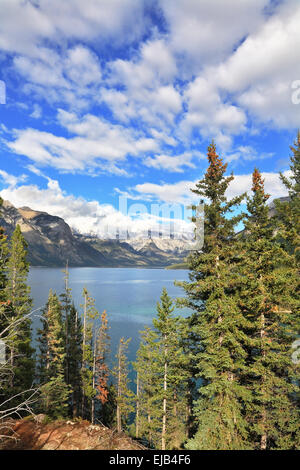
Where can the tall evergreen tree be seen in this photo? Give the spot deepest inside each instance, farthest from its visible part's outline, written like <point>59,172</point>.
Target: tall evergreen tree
<point>54,390</point>
<point>75,359</point>
<point>124,398</point>
<point>100,367</point>
<point>19,306</point>
<point>3,264</point>
<point>90,316</point>
<point>288,212</point>
<point>148,389</point>
<point>217,323</point>
<point>267,280</point>
<point>162,407</point>
<point>73,345</point>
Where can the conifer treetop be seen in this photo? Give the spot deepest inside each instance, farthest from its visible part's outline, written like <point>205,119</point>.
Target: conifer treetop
<point>258,184</point>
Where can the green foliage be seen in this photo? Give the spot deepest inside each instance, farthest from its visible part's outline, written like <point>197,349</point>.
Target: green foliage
<point>162,380</point>
<point>124,396</point>
<point>3,264</point>
<point>54,390</point>
<point>216,325</point>
<point>266,272</point>
<point>90,315</point>
<point>18,307</point>
<point>73,346</point>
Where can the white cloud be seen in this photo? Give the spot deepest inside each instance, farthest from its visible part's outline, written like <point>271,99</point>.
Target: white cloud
<point>247,153</point>
<point>153,66</point>
<point>173,163</point>
<point>12,180</point>
<point>211,69</point>
<point>147,86</point>
<point>90,217</point>
<point>243,183</point>
<point>177,192</point>
<point>26,25</point>
<point>37,111</point>
<point>180,192</point>
<point>203,32</point>
<point>262,69</point>
<point>209,114</point>
<point>97,143</point>
<point>73,77</point>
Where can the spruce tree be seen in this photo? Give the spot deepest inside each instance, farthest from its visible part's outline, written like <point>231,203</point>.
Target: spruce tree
<point>148,390</point>
<point>100,367</point>
<point>162,407</point>
<point>267,280</point>
<point>54,390</point>
<point>19,306</point>
<point>73,345</point>
<point>75,359</point>
<point>124,396</point>
<point>90,316</point>
<point>287,220</point>
<point>288,213</point>
<point>216,323</point>
<point>3,264</point>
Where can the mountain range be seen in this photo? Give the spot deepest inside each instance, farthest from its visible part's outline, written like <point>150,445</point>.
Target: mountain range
<point>52,243</point>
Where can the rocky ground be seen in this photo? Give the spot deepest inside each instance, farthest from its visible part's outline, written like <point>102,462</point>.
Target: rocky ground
<point>30,434</point>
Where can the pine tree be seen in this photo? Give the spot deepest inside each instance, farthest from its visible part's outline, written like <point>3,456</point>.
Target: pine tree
<point>3,264</point>
<point>100,368</point>
<point>162,380</point>
<point>148,395</point>
<point>124,398</point>
<point>54,390</point>
<point>174,378</point>
<point>216,323</point>
<point>288,213</point>
<point>75,359</point>
<point>287,220</point>
<point>267,281</point>
<point>90,316</point>
<point>19,306</point>
<point>73,345</point>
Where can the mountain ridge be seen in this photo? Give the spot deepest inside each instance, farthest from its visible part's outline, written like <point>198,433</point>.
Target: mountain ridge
<point>52,243</point>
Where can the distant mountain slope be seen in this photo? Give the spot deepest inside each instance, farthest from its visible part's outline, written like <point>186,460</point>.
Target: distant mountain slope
<point>52,243</point>
<point>122,253</point>
<point>50,239</point>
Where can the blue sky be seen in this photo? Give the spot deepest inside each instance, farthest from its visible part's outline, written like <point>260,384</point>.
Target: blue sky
<point>110,98</point>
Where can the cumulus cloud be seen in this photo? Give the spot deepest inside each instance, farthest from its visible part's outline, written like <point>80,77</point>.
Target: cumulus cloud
<point>206,31</point>
<point>173,163</point>
<point>209,114</point>
<point>147,89</point>
<point>180,192</point>
<point>207,69</point>
<point>72,77</point>
<point>97,143</point>
<point>26,26</point>
<point>11,180</point>
<point>261,71</point>
<point>91,217</point>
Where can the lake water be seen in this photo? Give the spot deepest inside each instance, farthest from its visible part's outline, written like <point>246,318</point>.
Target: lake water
<point>129,295</point>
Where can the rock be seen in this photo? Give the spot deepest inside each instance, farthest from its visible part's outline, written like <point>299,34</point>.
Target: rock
<point>39,418</point>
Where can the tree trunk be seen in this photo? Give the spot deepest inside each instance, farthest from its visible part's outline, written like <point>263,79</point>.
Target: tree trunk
<point>164,423</point>
<point>263,440</point>
<point>94,382</point>
<point>137,419</point>
<point>83,350</point>
<point>119,418</point>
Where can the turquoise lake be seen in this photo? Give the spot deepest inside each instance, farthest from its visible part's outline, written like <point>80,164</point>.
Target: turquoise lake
<point>129,295</point>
